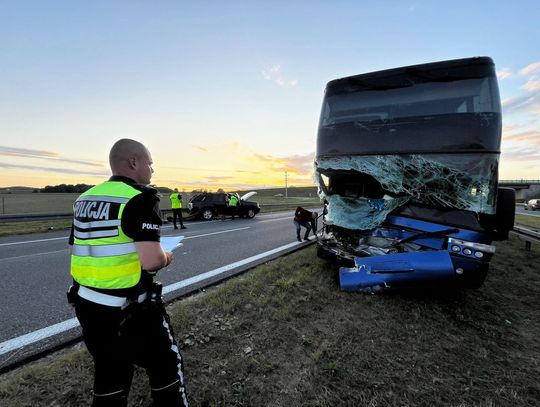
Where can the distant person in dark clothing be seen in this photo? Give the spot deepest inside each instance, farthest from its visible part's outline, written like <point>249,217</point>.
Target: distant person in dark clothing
<point>306,219</point>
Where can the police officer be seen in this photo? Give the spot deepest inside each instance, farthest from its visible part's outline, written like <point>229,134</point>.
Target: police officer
<point>232,203</point>
<point>176,205</point>
<point>115,252</point>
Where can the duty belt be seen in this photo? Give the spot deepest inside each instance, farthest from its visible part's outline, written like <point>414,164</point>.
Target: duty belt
<point>105,299</point>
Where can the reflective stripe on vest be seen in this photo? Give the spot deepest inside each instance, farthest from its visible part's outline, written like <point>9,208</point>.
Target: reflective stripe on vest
<point>103,250</point>
<point>176,203</point>
<point>103,256</point>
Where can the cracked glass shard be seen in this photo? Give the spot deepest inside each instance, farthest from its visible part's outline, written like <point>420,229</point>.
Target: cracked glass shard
<point>457,181</point>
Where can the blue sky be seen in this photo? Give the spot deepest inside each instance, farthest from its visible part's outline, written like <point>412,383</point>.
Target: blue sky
<point>227,94</point>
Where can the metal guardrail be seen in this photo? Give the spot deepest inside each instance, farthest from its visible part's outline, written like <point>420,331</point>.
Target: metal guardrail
<point>527,235</point>
<point>34,216</point>
<point>519,181</point>
<point>520,230</point>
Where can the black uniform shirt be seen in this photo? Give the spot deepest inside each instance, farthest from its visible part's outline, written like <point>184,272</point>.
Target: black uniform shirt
<point>141,221</point>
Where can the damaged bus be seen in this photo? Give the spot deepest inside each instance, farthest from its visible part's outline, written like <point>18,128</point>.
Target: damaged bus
<point>407,165</point>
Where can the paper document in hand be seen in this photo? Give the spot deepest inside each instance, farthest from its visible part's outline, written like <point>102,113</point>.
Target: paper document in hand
<point>169,243</point>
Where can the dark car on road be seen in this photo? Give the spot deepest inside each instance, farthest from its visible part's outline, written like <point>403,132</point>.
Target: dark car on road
<point>208,205</point>
<point>533,205</point>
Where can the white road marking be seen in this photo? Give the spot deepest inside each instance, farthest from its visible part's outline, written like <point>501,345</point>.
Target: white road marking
<point>38,335</point>
<point>34,241</point>
<point>217,233</point>
<point>166,226</point>
<point>273,220</point>
<point>47,332</point>
<point>189,237</point>
<point>33,254</point>
<point>190,223</point>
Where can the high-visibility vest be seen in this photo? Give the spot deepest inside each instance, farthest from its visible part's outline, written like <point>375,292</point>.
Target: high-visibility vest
<point>233,200</point>
<point>176,202</point>
<point>102,255</point>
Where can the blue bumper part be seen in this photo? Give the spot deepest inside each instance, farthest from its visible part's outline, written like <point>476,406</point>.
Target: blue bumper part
<point>397,270</point>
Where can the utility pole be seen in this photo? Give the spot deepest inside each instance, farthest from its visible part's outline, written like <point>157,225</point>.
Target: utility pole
<point>286,195</point>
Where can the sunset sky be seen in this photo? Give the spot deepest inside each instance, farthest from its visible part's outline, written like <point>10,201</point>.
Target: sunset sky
<point>227,93</point>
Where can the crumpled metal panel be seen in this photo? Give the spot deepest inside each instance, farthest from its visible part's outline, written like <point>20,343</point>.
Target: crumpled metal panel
<point>372,274</point>
<point>459,181</point>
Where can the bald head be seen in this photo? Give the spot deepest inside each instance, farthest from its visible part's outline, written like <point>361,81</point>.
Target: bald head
<point>129,158</point>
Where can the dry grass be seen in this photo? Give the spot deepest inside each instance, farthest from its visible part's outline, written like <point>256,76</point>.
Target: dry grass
<point>530,221</point>
<point>38,226</point>
<point>284,335</point>
<point>25,203</point>
<point>32,203</point>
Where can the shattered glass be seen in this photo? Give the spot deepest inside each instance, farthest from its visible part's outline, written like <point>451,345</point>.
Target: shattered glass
<point>457,181</point>
<point>359,213</point>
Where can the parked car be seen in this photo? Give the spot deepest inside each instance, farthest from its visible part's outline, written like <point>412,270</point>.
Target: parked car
<point>208,205</point>
<point>533,205</point>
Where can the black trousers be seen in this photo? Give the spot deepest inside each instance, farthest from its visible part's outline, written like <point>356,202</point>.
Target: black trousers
<point>117,339</point>
<point>307,225</point>
<point>177,213</point>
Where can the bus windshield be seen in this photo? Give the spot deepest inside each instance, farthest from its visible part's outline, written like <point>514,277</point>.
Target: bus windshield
<point>426,134</point>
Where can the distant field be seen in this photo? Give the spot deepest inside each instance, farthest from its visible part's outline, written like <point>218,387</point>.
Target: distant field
<point>27,203</point>
<point>304,192</point>
<point>23,203</point>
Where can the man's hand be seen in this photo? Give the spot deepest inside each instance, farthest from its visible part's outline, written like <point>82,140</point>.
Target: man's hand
<point>170,257</point>
<point>152,256</point>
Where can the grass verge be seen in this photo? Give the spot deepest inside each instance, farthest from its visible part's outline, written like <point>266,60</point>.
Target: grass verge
<point>530,221</point>
<point>284,335</point>
<point>38,226</point>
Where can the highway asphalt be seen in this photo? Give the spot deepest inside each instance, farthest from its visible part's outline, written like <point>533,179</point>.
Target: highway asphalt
<point>35,270</point>
<point>522,211</point>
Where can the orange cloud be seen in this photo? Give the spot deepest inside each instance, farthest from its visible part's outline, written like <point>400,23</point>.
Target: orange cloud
<point>529,136</point>
<point>42,155</point>
<point>532,85</point>
<point>299,164</point>
<point>54,169</point>
<point>521,154</point>
<point>530,69</point>
<point>518,102</point>
<point>507,128</point>
<point>504,73</point>
<point>24,152</point>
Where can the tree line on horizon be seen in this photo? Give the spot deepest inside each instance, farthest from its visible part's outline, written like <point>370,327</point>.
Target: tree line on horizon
<point>80,188</point>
